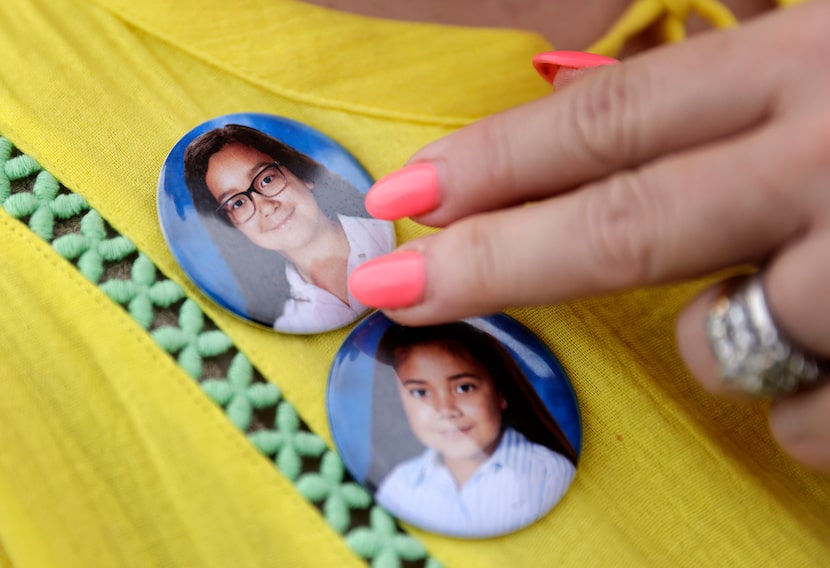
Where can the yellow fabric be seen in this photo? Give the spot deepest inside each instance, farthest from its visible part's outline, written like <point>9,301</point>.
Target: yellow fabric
<point>113,457</point>
<point>5,562</point>
<point>669,15</point>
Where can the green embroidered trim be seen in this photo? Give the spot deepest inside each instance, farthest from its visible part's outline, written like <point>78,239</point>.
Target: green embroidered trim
<point>255,406</point>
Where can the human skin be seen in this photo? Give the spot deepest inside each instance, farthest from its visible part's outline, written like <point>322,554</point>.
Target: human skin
<point>647,172</point>
<point>290,223</point>
<point>452,406</point>
<point>552,19</point>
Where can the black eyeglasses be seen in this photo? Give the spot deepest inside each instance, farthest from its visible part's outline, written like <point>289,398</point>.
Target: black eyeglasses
<point>240,207</point>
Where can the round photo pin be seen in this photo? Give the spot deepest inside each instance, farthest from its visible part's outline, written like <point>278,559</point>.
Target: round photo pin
<point>469,429</point>
<point>266,216</point>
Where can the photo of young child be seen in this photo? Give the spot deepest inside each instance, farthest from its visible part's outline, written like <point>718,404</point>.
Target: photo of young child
<point>266,215</point>
<point>494,459</point>
<point>461,443</point>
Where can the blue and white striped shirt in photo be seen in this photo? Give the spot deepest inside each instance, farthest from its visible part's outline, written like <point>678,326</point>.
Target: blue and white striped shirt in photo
<point>517,485</point>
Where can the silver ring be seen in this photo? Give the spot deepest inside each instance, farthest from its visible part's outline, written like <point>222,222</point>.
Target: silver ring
<point>753,354</point>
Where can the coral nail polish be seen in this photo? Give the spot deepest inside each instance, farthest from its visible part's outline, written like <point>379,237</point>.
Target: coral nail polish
<point>395,280</point>
<point>412,190</point>
<point>548,64</point>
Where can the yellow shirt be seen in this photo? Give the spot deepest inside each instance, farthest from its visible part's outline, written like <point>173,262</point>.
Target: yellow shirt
<point>144,426</point>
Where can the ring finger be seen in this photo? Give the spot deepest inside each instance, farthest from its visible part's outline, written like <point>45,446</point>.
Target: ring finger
<point>795,284</point>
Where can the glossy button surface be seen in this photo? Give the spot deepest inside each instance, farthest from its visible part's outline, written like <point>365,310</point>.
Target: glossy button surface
<point>266,216</point>
<point>469,429</point>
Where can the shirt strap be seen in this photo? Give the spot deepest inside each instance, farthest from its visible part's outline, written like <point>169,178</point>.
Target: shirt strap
<point>668,16</point>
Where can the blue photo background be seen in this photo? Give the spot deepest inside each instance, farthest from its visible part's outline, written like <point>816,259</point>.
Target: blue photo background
<point>183,230</point>
<point>350,386</point>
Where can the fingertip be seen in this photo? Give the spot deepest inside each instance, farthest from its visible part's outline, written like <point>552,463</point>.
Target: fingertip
<point>567,76</point>
<point>801,425</point>
<point>396,280</point>
<point>409,191</point>
<point>696,349</point>
<point>693,345</point>
<point>552,64</point>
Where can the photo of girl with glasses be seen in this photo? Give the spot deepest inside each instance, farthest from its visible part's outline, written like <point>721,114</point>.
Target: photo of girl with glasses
<point>494,459</point>
<point>289,229</point>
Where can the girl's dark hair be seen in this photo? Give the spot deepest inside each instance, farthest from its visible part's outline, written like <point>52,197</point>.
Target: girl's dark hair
<point>525,411</point>
<point>259,272</point>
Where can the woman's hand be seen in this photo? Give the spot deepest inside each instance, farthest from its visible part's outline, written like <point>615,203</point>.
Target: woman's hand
<point>688,159</point>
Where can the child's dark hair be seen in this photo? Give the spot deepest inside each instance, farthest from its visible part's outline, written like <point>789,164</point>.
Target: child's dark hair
<point>525,411</point>
<point>260,273</point>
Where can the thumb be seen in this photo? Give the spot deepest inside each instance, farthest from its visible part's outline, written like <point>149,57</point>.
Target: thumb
<point>561,68</point>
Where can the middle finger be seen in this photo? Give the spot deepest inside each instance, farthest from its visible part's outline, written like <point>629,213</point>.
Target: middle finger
<point>618,117</point>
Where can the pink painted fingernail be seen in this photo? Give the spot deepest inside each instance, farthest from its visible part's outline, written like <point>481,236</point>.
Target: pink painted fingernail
<point>548,63</point>
<point>412,190</point>
<point>395,280</point>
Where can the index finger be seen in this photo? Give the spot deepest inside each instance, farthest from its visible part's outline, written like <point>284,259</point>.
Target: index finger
<point>615,118</point>
<point>674,219</point>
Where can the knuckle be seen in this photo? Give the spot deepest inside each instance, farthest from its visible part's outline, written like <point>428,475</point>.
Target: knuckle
<point>798,439</point>
<point>498,166</point>
<point>810,44</point>
<point>620,226</point>
<point>605,119</point>
<point>818,142</point>
<point>769,186</point>
<point>793,181</point>
<point>483,280</point>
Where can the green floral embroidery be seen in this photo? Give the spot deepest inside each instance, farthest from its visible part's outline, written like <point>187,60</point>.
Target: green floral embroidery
<point>33,196</point>
<point>143,293</point>
<point>384,544</point>
<point>239,395</point>
<point>43,204</point>
<point>190,341</point>
<point>91,247</point>
<point>288,443</point>
<point>338,495</point>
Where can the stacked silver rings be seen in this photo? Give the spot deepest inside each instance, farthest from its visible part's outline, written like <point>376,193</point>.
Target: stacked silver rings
<point>753,355</point>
